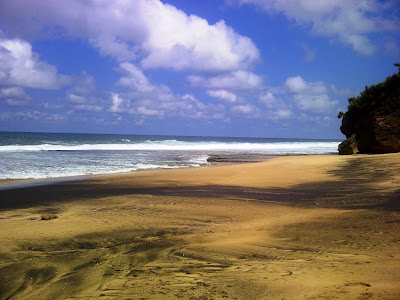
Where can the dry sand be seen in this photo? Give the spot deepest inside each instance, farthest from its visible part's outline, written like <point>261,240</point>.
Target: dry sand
<point>305,227</point>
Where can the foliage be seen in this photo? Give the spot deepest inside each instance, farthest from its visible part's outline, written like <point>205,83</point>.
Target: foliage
<point>375,94</point>
<point>373,118</point>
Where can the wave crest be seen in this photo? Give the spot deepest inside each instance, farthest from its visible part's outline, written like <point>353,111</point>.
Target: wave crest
<point>174,145</point>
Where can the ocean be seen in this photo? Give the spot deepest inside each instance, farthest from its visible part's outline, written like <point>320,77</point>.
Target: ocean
<point>53,155</point>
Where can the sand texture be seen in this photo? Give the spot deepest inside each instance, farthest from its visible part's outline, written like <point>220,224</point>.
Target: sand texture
<point>304,227</point>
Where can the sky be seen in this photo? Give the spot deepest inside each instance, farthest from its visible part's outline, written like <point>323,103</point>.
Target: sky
<point>244,68</point>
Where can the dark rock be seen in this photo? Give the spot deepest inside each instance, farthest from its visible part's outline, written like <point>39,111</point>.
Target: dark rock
<point>47,217</point>
<point>372,122</point>
<point>348,146</point>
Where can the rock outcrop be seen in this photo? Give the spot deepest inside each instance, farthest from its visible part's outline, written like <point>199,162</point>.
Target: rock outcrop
<point>372,122</point>
<point>349,146</point>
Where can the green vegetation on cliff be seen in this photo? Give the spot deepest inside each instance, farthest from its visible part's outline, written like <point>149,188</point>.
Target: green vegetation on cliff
<point>373,118</point>
<point>375,94</point>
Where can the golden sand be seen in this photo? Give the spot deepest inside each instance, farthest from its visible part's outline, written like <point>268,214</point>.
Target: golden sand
<point>304,227</point>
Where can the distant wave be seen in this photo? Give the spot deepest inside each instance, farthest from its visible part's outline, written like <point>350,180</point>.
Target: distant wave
<point>314,147</point>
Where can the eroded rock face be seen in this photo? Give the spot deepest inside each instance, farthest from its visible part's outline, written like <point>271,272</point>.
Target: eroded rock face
<point>348,146</point>
<point>372,122</point>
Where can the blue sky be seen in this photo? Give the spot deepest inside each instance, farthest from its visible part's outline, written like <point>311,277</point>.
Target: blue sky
<point>257,68</point>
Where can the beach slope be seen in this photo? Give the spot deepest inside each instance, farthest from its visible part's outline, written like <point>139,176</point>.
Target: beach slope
<point>300,227</point>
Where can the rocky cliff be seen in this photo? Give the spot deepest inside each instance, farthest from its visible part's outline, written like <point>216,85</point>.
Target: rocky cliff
<point>372,122</point>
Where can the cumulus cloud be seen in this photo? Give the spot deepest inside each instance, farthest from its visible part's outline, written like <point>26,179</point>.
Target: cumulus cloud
<point>311,96</point>
<point>147,99</point>
<point>76,98</point>
<point>281,114</point>
<point>269,99</point>
<point>392,48</point>
<point>350,21</point>
<point>5,116</point>
<point>296,84</point>
<point>246,110</point>
<point>237,80</point>
<point>309,54</point>
<point>14,96</point>
<point>297,98</point>
<point>20,66</point>
<point>80,95</point>
<point>140,86</point>
<point>117,101</point>
<point>157,34</point>
<point>84,84</point>
<point>89,107</point>
<point>316,103</point>
<point>223,95</point>
<point>35,115</point>
<point>278,109</point>
<point>49,106</point>
<point>12,92</point>
<point>135,78</point>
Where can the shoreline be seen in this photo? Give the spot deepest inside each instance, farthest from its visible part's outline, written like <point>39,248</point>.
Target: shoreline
<point>214,160</point>
<point>309,227</point>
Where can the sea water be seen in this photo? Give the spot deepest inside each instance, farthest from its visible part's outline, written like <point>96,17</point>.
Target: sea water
<point>52,155</point>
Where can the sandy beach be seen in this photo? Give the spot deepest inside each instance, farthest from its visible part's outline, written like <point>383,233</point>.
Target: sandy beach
<point>297,227</point>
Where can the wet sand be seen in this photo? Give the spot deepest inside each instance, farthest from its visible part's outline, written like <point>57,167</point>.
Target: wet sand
<point>305,227</point>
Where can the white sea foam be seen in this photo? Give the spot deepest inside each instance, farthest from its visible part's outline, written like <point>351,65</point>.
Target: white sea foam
<point>314,147</point>
<point>36,173</point>
<point>73,167</point>
<point>78,155</point>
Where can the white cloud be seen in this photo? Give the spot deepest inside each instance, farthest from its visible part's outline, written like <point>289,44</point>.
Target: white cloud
<point>277,108</point>
<point>5,116</point>
<point>36,115</point>
<point>12,92</point>
<point>223,95</point>
<point>350,21</point>
<point>84,84</point>
<point>14,96</point>
<point>392,48</point>
<point>315,103</point>
<point>343,93</point>
<point>311,96</point>
<point>269,99</point>
<point>51,106</point>
<point>15,102</point>
<point>296,84</point>
<point>299,96</point>
<point>135,78</point>
<point>157,34</point>
<point>320,120</point>
<point>183,42</point>
<point>246,110</point>
<point>309,54</point>
<point>140,86</point>
<point>89,107</point>
<point>19,66</point>
<point>281,114</point>
<point>146,99</point>
<point>80,95</point>
<point>76,98</point>
<point>117,102</point>
<point>144,111</point>
<point>237,80</point>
